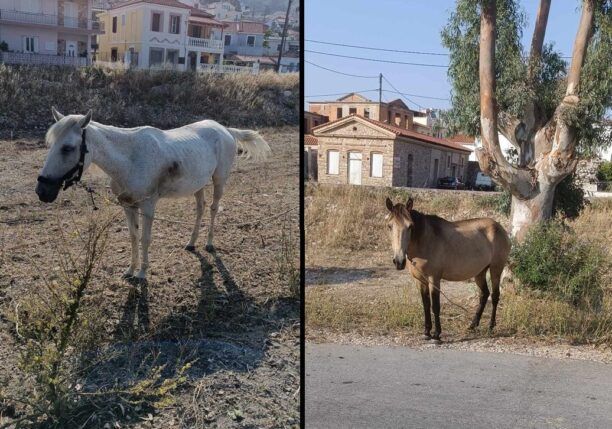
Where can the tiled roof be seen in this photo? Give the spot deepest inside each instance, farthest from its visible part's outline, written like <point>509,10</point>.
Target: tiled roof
<point>461,138</point>
<point>194,11</point>
<point>311,140</point>
<point>402,132</point>
<point>246,27</point>
<point>173,3</point>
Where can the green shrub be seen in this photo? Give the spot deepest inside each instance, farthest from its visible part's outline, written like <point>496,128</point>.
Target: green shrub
<point>604,174</point>
<point>553,261</point>
<point>503,202</point>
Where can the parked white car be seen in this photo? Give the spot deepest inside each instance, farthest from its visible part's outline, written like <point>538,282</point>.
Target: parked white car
<point>483,182</point>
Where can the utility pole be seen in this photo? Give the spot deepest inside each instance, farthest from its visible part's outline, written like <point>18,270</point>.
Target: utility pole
<point>280,52</point>
<point>380,97</point>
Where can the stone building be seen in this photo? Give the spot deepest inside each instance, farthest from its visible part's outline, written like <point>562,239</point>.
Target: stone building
<point>363,151</point>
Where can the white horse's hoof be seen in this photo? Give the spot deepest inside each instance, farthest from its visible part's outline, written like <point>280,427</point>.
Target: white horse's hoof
<point>190,248</point>
<point>128,274</point>
<point>141,275</point>
<point>210,248</point>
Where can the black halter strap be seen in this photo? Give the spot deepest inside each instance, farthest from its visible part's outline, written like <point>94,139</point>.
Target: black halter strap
<point>74,174</point>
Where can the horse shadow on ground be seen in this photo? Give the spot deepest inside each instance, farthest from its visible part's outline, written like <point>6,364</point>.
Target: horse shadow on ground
<point>320,276</point>
<point>227,330</point>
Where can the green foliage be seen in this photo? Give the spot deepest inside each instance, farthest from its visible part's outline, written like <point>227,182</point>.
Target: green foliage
<point>503,202</point>
<point>461,37</point>
<point>553,261</point>
<point>604,174</point>
<point>569,198</point>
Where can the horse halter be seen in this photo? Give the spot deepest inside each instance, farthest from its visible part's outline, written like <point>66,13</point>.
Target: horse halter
<point>70,177</point>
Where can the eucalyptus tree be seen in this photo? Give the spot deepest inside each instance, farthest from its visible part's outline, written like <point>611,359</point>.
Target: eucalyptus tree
<point>549,113</point>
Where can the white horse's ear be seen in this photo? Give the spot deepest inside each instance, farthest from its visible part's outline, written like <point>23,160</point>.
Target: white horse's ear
<point>389,204</point>
<point>86,120</point>
<point>409,204</point>
<point>57,115</point>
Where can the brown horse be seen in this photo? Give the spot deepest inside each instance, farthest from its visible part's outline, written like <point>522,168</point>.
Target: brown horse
<point>456,251</point>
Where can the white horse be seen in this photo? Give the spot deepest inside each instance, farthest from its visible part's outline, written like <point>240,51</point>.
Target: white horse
<point>146,164</point>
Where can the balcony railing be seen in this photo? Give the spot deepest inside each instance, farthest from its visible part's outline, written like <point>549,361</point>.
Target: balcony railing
<point>43,19</point>
<point>40,59</point>
<point>210,44</point>
<point>228,68</point>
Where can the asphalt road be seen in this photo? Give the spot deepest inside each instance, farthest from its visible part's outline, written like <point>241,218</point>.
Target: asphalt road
<point>398,387</point>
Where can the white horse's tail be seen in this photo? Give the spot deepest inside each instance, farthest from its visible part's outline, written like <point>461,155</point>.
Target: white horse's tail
<point>251,143</point>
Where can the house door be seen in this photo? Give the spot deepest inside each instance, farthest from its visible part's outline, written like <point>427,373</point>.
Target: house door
<point>71,48</point>
<point>192,60</point>
<point>354,168</point>
<point>71,14</point>
<point>435,172</point>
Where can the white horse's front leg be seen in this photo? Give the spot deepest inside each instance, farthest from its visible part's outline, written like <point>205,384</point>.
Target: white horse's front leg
<point>131,213</point>
<point>148,213</point>
<point>199,196</point>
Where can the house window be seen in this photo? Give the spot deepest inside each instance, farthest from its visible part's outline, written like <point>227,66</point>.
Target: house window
<point>123,20</point>
<point>172,56</point>
<point>156,22</point>
<point>228,39</point>
<point>196,31</point>
<point>339,112</point>
<point>352,110</point>
<point>333,162</point>
<point>114,55</point>
<point>376,165</point>
<point>449,160</point>
<point>250,40</point>
<point>156,56</point>
<point>366,112</point>
<point>175,24</point>
<point>30,44</point>
<point>114,24</point>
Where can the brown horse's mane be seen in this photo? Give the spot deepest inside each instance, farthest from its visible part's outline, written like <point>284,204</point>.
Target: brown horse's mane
<point>421,219</point>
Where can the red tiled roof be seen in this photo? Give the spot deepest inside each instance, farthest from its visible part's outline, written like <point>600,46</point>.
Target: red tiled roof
<point>461,138</point>
<point>173,3</point>
<point>246,26</point>
<point>200,13</point>
<point>311,140</point>
<point>402,132</point>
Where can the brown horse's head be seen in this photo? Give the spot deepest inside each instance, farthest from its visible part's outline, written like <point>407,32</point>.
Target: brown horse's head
<point>400,224</point>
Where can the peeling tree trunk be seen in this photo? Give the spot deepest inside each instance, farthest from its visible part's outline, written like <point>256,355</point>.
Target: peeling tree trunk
<point>546,149</point>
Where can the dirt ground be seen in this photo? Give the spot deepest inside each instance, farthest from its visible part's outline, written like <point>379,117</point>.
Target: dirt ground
<point>369,276</point>
<point>231,310</point>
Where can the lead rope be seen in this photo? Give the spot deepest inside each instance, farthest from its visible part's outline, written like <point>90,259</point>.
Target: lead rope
<point>424,279</point>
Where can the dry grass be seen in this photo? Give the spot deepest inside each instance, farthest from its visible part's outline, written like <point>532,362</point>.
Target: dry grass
<point>350,219</point>
<point>353,217</point>
<point>164,99</point>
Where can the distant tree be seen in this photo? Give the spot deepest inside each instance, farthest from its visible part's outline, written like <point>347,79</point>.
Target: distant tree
<point>548,113</point>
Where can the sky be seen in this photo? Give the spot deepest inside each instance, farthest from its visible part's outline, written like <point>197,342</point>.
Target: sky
<point>413,25</point>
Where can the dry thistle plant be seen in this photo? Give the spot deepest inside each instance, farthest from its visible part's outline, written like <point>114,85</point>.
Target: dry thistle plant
<point>62,346</point>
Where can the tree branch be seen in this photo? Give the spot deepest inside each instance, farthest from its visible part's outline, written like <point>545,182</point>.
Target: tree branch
<point>585,31</point>
<point>490,157</point>
<point>537,41</point>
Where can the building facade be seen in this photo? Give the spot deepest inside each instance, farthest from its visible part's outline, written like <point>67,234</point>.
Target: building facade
<point>244,38</point>
<point>56,32</point>
<point>362,151</point>
<point>394,113</point>
<point>160,33</point>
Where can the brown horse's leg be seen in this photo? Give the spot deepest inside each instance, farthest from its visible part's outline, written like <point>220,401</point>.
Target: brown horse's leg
<point>426,309</point>
<point>481,282</point>
<point>435,306</point>
<point>496,273</point>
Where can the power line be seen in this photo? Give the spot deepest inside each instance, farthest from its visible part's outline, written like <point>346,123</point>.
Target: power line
<point>418,96</point>
<point>375,59</point>
<point>441,54</point>
<point>339,72</point>
<point>378,49</point>
<point>404,95</point>
<point>340,93</point>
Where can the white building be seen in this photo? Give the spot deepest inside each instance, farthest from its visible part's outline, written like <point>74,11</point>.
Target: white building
<point>161,33</point>
<point>57,32</point>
